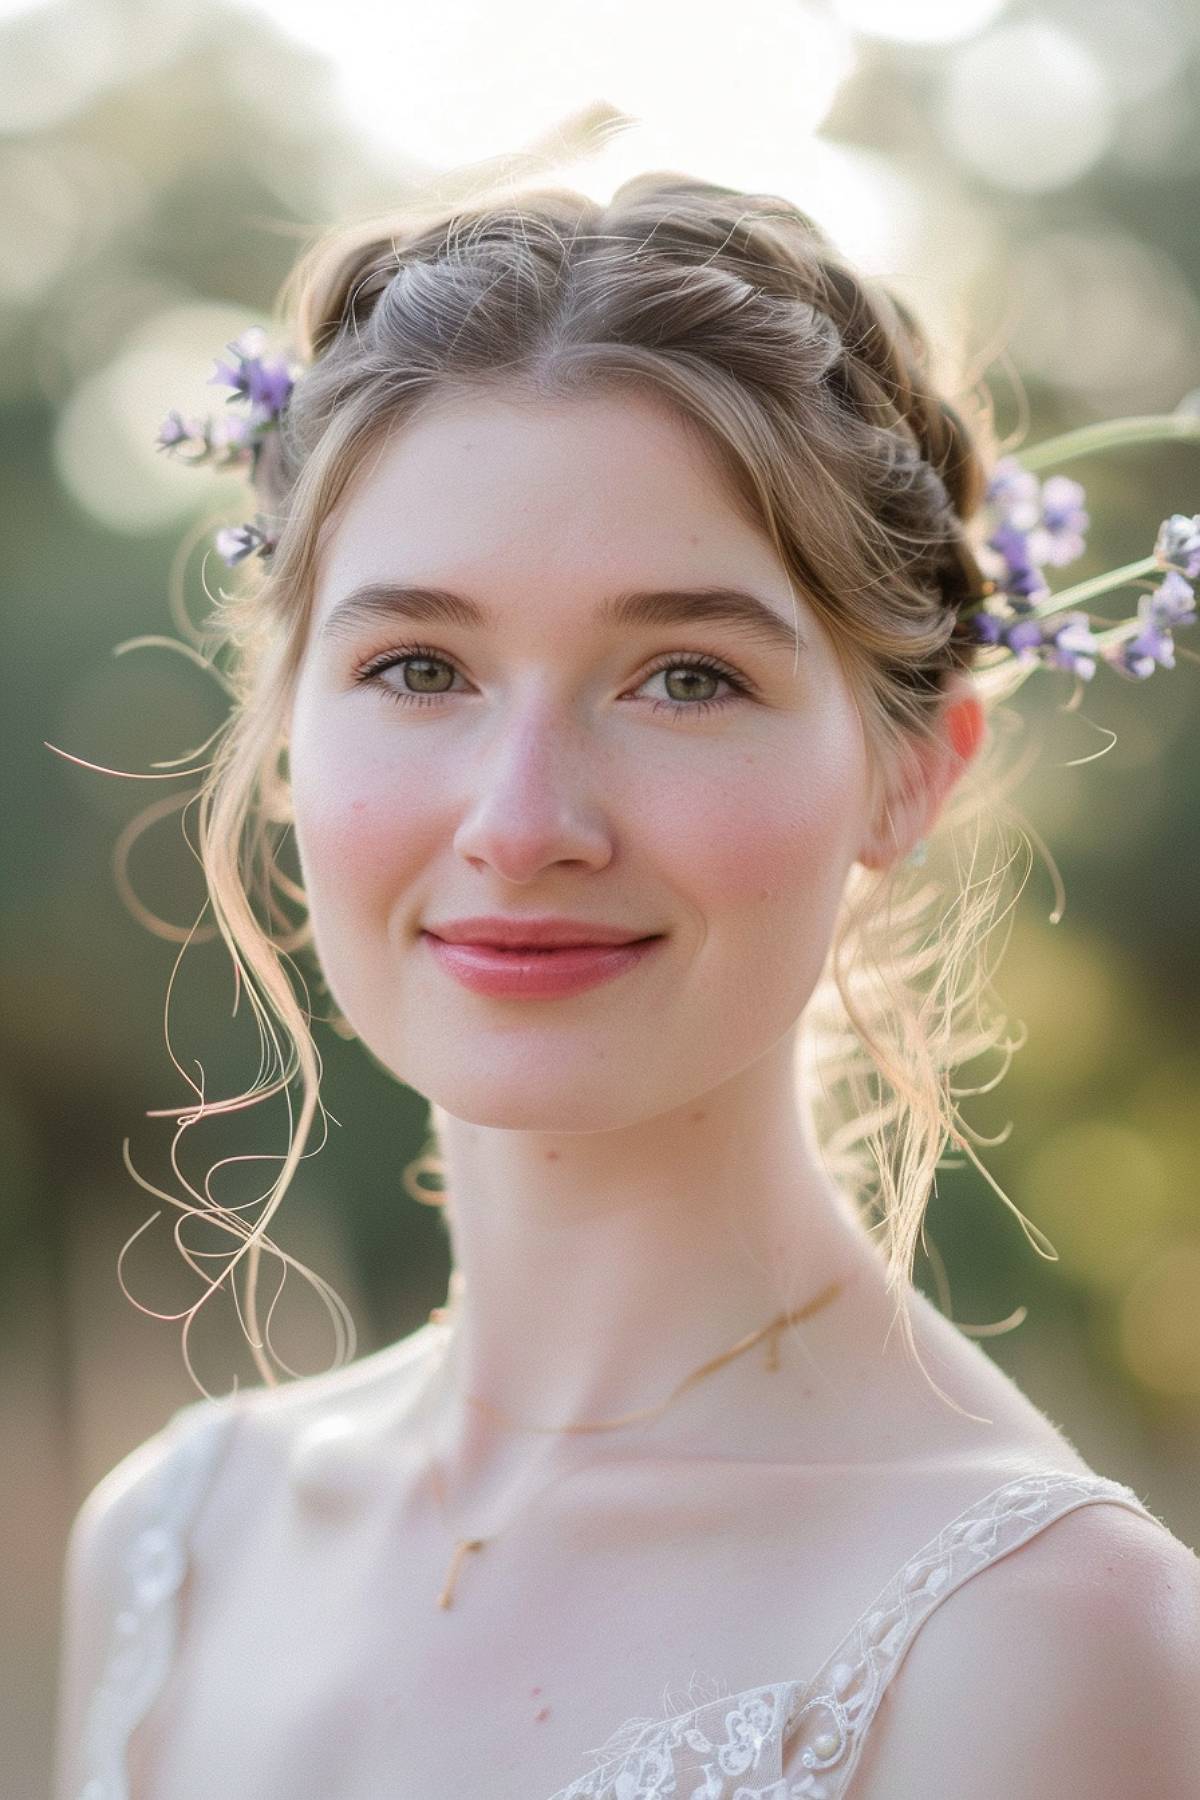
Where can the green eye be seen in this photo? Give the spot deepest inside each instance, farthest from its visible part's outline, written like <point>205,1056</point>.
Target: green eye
<point>428,660</point>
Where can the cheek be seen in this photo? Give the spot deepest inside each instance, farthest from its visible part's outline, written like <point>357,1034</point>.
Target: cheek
<point>773,834</point>
<point>353,837</point>
<point>361,827</point>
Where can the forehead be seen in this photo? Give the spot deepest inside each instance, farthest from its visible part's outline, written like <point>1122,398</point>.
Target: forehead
<point>493,492</point>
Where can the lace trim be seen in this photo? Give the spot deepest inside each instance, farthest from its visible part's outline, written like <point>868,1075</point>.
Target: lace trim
<point>144,1628</point>
<point>822,1721</point>
<point>698,1754</point>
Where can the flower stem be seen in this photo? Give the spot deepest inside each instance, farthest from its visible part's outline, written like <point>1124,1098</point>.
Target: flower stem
<point>1103,639</point>
<point>1099,584</point>
<point>1150,428</point>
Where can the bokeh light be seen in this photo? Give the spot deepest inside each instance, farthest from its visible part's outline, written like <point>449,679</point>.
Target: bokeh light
<point>104,445</point>
<point>1066,1047</point>
<point>1159,1325</point>
<point>445,85</point>
<point>1108,316</point>
<point>40,221</point>
<point>56,58</point>
<point>1141,50</point>
<point>919,21</point>
<point>1099,1190</point>
<point>1027,107</point>
<point>60,205</point>
<point>53,61</point>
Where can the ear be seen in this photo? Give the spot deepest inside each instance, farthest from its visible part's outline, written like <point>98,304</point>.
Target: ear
<point>911,806</point>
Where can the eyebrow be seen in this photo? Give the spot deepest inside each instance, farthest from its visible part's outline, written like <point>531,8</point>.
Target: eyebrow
<point>377,601</point>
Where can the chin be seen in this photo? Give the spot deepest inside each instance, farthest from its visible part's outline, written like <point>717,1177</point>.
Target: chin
<point>532,1101</point>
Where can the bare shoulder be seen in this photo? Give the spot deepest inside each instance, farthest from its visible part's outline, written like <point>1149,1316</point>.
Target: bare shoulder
<point>114,1510</point>
<point>95,1576</point>
<point>309,1416</point>
<point>1074,1660</point>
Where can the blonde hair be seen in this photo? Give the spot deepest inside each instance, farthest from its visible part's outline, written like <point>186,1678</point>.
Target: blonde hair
<point>813,387</point>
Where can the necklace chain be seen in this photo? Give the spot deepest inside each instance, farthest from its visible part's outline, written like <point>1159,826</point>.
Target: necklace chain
<point>771,1331</point>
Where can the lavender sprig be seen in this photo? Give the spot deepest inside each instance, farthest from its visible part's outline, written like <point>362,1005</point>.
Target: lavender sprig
<point>1035,523</point>
<point>235,542</point>
<point>236,441</point>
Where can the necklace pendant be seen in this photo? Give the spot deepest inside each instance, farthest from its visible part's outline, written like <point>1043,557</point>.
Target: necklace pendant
<point>446,1597</point>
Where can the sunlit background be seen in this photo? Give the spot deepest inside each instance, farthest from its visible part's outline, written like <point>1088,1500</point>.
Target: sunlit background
<point>1027,176</point>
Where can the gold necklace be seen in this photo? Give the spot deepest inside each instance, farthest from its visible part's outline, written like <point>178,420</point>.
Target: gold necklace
<point>462,1545</point>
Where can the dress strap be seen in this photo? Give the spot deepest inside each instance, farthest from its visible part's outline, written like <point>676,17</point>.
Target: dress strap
<point>829,1716</point>
<point>153,1565</point>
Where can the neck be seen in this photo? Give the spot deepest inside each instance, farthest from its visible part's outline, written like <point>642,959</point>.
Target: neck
<point>595,1271</point>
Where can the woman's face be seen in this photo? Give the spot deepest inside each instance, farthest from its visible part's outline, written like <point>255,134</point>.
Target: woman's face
<point>666,772</point>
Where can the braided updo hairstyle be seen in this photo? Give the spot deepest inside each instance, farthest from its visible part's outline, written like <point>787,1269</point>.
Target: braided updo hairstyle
<point>813,388</point>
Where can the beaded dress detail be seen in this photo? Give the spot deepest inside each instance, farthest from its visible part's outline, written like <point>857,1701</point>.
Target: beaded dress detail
<point>797,1739</point>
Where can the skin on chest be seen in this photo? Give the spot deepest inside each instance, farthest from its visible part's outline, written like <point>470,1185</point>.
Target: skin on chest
<point>312,1657</point>
<point>315,1660</point>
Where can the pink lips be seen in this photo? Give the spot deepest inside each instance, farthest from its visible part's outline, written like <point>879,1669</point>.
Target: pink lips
<point>523,973</point>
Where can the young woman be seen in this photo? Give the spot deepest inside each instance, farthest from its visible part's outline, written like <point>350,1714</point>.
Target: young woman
<point>614,617</point>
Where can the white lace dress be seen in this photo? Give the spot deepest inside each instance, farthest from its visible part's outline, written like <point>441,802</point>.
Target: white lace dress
<point>796,1739</point>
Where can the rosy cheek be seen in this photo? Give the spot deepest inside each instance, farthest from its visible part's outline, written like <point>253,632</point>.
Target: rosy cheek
<point>762,833</point>
<point>772,853</point>
<point>350,843</point>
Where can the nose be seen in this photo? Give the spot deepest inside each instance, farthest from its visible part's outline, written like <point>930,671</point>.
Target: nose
<point>534,799</point>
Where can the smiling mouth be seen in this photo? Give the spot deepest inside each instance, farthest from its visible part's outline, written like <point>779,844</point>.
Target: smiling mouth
<point>543,972</point>
<point>550,949</point>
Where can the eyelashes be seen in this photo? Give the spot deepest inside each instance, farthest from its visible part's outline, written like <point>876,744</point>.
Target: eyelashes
<point>371,673</point>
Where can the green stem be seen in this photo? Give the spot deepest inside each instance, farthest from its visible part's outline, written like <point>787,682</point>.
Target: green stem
<point>1099,584</point>
<point>1117,633</point>
<point>1107,435</point>
<point>1087,590</point>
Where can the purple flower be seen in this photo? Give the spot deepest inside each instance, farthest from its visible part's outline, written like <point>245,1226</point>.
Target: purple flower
<point>229,433</point>
<point>270,386</point>
<point>225,375</point>
<point>251,342</point>
<point>1023,637</point>
<point>234,542</point>
<point>266,384</point>
<point>1139,656</point>
<point>1058,538</point>
<point>1014,492</point>
<point>246,349</point>
<point>984,627</point>
<point>1033,524</point>
<point>173,430</point>
<point>1177,545</point>
<point>1071,645</point>
<point>1171,603</point>
<point>1019,576</point>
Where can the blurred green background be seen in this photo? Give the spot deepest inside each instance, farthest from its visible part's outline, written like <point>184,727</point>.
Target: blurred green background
<point>1029,176</point>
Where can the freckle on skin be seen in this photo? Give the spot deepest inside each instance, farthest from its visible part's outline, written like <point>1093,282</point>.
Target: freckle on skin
<point>541,1715</point>
<point>697,1118</point>
<point>553,1155</point>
